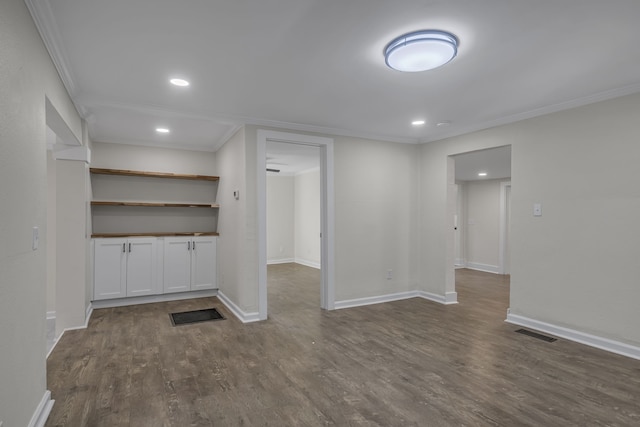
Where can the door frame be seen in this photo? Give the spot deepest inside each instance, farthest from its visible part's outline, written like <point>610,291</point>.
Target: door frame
<point>327,213</point>
<point>503,225</point>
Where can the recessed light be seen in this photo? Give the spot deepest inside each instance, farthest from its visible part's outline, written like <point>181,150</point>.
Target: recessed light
<point>162,130</point>
<point>179,82</point>
<point>443,123</point>
<point>482,174</point>
<point>418,122</point>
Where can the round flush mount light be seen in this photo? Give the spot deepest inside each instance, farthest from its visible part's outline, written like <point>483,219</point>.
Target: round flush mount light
<point>421,50</point>
<point>418,122</point>
<point>482,174</point>
<point>179,82</point>
<point>162,130</point>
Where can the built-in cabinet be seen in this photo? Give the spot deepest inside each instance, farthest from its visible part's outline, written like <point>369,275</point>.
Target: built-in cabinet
<point>125,267</point>
<point>187,263</point>
<point>153,233</point>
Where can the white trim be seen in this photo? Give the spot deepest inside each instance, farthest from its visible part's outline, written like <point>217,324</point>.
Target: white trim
<point>505,120</point>
<point>358,302</point>
<point>308,263</point>
<point>577,336</point>
<point>503,226</point>
<point>66,152</point>
<point>483,267</point>
<point>327,227</point>
<point>39,417</point>
<point>149,299</point>
<point>280,261</point>
<point>237,311</point>
<point>448,299</point>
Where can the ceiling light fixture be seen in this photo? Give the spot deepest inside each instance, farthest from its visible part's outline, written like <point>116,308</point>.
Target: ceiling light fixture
<point>418,122</point>
<point>179,82</point>
<point>443,123</point>
<point>421,50</point>
<point>162,130</point>
<point>482,174</point>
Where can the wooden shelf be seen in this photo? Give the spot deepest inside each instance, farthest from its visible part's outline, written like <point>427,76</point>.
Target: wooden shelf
<point>159,234</point>
<point>155,205</point>
<point>153,174</point>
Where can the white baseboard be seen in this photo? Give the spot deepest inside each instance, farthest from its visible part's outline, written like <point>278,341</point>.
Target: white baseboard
<point>149,299</point>
<point>308,263</point>
<point>483,267</point>
<point>358,302</point>
<point>51,344</point>
<point>39,417</point>
<point>280,261</point>
<point>446,299</point>
<point>237,311</point>
<point>577,336</point>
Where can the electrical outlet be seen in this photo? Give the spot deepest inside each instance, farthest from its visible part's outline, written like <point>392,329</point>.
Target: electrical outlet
<point>389,274</point>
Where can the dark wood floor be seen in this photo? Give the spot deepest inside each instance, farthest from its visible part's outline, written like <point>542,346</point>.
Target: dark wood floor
<point>405,363</point>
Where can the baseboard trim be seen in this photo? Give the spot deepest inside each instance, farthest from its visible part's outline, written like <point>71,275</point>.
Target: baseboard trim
<point>52,344</point>
<point>358,302</point>
<point>446,299</point>
<point>280,261</point>
<point>483,267</point>
<point>308,263</point>
<point>150,299</point>
<point>577,336</point>
<point>42,412</point>
<point>237,311</point>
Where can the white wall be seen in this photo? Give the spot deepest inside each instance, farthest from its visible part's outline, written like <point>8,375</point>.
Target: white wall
<point>27,76</point>
<point>482,225</point>
<point>155,159</point>
<point>576,266</point>
<point>307,218</point>
<point>280,219</point>
<point>235,277</point>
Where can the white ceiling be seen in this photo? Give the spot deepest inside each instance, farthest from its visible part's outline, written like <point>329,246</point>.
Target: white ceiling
<point>291,159</point>
<point>317,65</point>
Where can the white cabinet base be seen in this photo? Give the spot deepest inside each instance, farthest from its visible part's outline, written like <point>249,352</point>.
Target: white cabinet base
<point>122,302</point>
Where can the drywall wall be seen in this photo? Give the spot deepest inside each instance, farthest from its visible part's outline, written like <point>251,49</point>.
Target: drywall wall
<point>27,78</point>
<point>280,219</point>
<point>232,262</point>
<point>307,218</point>
<point>482,226</point>
<point>576,265</point>
<point>376,208</point>
<point>155,159</point>
<point>71,249</point>
<point>51,234</point>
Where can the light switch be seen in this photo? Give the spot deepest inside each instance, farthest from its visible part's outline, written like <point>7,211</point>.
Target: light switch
<point>537,209</point>
<point>236,194</point>
<point>35,238</point>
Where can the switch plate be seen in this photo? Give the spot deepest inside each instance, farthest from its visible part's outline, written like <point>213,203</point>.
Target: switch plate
<point>537,209</point>
<point>389,274</point>
<point>35,240</point>
<point>236,194</point>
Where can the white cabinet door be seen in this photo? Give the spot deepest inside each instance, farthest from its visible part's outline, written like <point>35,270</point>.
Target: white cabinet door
<point>110,266</point>
<point>177,264</point>
<point>141,266</point>
<point>203,263</point>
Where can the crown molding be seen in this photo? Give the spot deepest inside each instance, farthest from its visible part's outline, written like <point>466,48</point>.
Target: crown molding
<point>562,106</point>
<point>46,24</point>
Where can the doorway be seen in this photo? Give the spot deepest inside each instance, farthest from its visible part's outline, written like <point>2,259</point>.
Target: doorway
<point>293,226</point>
<point>325,149</point>
<point>479,194</point>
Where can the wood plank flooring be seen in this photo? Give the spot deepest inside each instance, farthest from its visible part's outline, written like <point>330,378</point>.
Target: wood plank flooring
<point>405,363</point>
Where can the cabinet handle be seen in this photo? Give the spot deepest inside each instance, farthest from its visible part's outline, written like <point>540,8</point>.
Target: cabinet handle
<point>124,245</point>
<point>194,246</point>
<point>189,245</point>
<point>129,247</point>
